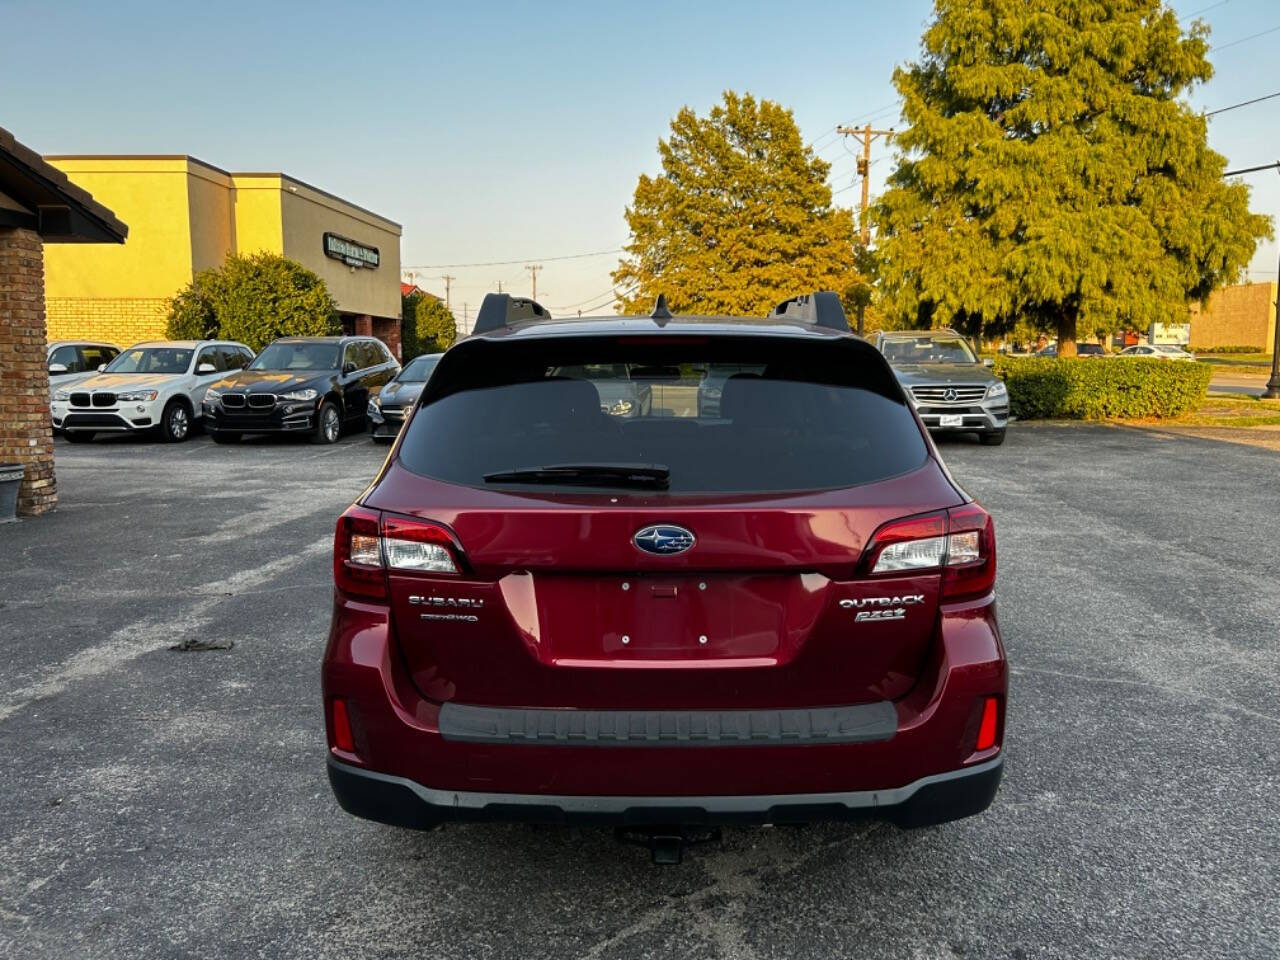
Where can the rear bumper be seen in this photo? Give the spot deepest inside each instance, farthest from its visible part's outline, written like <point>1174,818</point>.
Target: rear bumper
<point>414,761</point>
<point>402,802</point>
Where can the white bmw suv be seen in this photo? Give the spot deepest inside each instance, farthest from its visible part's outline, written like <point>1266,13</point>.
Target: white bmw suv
<point>149,387</point>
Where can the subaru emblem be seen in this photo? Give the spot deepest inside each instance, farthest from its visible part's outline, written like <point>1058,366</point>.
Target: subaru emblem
<point>664,539</point>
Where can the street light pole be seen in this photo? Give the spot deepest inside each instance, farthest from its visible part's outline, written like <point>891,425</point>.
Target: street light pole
<point>1273,385</point>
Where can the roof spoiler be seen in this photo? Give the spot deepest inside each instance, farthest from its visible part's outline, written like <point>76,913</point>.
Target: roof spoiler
<point>822,309</point>
<point>499,310</point>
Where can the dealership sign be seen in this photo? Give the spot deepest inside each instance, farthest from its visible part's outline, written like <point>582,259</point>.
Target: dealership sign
<point>349,252</point>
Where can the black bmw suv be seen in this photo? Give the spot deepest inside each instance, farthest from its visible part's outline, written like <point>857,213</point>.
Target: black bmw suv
<point>313,385</point>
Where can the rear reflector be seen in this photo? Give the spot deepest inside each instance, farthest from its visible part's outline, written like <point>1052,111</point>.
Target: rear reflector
<point>367,544</point>
<point>342,738</point>
<point>987,729</point>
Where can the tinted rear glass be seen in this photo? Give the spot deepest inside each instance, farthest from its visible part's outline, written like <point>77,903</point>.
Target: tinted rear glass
<point>724,415</point>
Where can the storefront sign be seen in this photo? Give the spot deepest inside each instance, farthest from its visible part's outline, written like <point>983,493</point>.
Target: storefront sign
<point>349,252</point>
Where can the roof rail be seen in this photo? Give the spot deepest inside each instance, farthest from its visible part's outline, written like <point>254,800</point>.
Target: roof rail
<point>821,308</point>
<point>497,310</point>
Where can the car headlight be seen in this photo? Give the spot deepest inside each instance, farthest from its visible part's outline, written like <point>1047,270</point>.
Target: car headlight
<point>62,395</point>
<point>307,394</point>
<point>136,395</point>
<point>997,389</point>
<point>619,408</point>
<point>212,396</point>
<point>375,402</point>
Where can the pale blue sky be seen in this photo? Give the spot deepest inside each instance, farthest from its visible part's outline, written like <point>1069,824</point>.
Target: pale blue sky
<point>504,130</point>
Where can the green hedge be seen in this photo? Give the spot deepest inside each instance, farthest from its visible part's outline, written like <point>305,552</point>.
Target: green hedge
<point>1102,389</point>
<point>1227,349</point>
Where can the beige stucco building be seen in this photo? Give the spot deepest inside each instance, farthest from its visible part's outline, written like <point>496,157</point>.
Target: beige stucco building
<point>186,215</point>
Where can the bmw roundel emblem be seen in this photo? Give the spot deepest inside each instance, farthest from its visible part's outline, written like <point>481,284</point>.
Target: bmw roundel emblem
<point>664,539</point>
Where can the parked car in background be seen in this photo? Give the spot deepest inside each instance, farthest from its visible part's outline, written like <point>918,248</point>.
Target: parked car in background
<point>72,362</point>
<point>1158,351</point>
<point>148,387</point>
<point>952,390</point>
<point>389,406</point>
<point>308,385</point>
<point>1083,350</point>
<point>545,612</point>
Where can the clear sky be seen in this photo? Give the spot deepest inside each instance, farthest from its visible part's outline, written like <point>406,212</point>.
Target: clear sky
<point>502,131</point>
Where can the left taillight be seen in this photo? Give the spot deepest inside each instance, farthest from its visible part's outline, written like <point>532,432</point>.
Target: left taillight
<point>357,554</point>
<point>368,544</point>
<point>960,542</point>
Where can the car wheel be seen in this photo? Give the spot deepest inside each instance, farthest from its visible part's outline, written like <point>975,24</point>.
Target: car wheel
<point>328,424</point>
<point>224,436</point>
<point>175,422</point>
<point>78,436</point>
<point>993,439</point>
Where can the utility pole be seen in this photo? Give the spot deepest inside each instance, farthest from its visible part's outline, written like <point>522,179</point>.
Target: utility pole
<point>499,286</point>
<point>533,269</point>
<point>465,329</point>
<point>865,135</point>
<point>447,281</point>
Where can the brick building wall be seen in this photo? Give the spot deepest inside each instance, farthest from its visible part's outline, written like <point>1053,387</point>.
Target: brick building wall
<point>26,433</point>
<point>1239,316</point>
<point>122,322</point>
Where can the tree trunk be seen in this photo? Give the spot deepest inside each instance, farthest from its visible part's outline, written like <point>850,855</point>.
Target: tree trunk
<point>1067,333</point>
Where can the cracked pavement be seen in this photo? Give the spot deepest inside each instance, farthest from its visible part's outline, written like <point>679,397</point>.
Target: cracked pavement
<point>163,804</point>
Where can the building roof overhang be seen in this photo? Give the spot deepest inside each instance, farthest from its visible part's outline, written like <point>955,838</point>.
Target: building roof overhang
<point>44,200</point>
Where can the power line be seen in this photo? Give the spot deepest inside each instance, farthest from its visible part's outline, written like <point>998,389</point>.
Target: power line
<point>1252,36</point>
<point>1212,6</point>
<point>507,263</point>
<point>1243,103</point>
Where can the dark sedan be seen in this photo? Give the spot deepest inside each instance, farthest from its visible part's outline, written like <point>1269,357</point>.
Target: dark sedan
<point>309,385</point>
<point>388,409</point>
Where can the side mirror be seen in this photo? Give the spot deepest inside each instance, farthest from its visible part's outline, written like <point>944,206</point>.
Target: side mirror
<point>349,367</point>
<point>102,367</point>
<point>56,368</point>
<point>206,368</point>
<point>988,362</point>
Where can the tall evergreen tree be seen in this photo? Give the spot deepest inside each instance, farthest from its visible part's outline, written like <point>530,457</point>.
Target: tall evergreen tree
<point>739,219</point>
<point>1052,172</point>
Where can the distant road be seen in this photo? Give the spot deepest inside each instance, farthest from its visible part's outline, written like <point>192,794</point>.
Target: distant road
<point>1233,381</point>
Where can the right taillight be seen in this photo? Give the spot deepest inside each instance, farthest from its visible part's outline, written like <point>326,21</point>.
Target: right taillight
<point>960,542</point>
<point>367,544</point>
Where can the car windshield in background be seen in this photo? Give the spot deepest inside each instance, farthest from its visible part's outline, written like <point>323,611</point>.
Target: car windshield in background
<point>418,370</point>
<point>297,356</point>
<point>787,417</point>
<point>151,360</point>
<point>928,350</point>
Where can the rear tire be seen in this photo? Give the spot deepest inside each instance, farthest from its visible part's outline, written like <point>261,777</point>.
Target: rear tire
<point>224,436</point>
<point>175,422</point>
<point>78,436</point>
<point>992,439</point>
<point>328,424</point>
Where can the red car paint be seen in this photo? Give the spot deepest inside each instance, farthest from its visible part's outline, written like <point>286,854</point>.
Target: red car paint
<point>762,614</point>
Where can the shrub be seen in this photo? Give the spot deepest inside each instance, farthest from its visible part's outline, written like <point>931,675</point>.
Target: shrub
<point>1120,388</point>
<point>430,328</point>
<point>1228,349</point>
<point>193,311</point>
<point>253,299</point>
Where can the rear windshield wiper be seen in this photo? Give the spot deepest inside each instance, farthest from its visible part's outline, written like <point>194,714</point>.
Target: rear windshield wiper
<point>651,475</point>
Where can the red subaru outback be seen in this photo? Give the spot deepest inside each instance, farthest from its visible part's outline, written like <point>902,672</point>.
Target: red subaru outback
<point>664,570</point>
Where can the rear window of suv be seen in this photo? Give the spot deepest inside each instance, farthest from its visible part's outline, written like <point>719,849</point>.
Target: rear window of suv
<point>721,414</point>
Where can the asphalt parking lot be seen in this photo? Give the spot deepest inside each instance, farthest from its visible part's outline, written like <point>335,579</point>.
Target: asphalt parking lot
<point>174,804</point>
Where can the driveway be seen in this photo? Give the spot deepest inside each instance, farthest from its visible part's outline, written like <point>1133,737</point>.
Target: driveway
<point>166,804</point>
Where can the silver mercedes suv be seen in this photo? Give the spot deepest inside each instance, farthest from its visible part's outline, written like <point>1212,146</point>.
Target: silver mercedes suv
<point>953,391</point>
